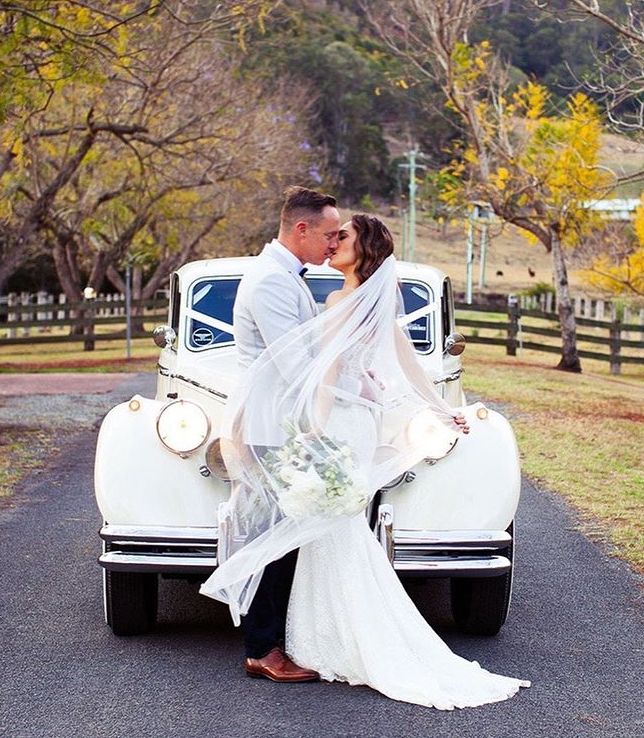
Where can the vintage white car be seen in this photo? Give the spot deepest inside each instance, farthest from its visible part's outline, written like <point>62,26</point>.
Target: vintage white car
<point>159,476</point>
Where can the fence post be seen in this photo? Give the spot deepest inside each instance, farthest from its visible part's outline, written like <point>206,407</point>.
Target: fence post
<point>89,297</point>
<point>62,300</point>
<point>577,302</point>
<point>25,300</point>
<point>12,300</point>
<point>513,325</point>
<point>600,310</point>
<point>615,346</point>
<point>41,299</point>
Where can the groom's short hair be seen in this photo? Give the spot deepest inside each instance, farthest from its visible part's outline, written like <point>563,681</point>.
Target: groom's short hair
<point>301,203</point>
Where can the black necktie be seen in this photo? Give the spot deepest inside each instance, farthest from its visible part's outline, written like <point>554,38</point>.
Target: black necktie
<point>303,271</point>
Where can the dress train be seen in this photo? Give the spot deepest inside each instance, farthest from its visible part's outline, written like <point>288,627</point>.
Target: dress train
<point>351,620</point>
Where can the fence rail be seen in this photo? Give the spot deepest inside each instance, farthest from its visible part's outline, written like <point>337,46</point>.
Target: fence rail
<point>19,322</point>
<point>515,322</point>
<point>514,327</point>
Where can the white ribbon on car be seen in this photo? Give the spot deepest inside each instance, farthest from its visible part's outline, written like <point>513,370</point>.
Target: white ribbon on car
<point>420,313</point>
<point>210,321</point>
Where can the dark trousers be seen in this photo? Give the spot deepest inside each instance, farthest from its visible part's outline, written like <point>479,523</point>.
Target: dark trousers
<point>265,624</point>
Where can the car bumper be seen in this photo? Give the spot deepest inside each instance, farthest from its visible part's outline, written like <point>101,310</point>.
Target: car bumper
<point>423,553</point>
<point>444,553</point>
<point>162,549</point>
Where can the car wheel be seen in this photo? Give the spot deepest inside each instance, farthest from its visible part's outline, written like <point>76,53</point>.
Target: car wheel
<point>480,605</point>
<point>130,600</point>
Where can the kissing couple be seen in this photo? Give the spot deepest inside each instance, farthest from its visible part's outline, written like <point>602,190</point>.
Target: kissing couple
<point>317,425</point>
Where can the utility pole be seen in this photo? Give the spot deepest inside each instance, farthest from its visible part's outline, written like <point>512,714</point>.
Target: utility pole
<point>405,233</point>
<point>409,214</point>
<point>412,202</point>
<point>128,308</point>
<point>483,257</point>
<point>469,259</point>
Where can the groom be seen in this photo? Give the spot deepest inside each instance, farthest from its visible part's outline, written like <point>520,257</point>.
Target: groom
<point>271,300</point>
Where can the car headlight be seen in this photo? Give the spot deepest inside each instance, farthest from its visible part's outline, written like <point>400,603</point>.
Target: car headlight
<point>428,433</point>
<point>183,427</point>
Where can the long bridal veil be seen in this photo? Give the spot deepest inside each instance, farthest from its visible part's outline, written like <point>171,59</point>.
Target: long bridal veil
<point>328,414</point>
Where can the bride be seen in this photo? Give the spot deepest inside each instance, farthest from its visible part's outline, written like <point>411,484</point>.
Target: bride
<point>341,391</point>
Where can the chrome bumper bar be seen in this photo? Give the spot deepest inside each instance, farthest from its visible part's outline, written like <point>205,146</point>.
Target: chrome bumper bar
<point>429,553</point>
<point>448,553</point>
<point>162,549</point>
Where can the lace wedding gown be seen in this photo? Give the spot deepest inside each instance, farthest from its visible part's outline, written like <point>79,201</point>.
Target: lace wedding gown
<point>350,619</point>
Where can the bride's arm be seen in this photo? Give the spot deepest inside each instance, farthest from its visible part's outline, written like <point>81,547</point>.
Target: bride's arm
<point>417,376</point>
<point>325,397</point>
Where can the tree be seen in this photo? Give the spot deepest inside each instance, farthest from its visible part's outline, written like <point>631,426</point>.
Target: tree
<point>534,169</point>
<point>113,112</point>
<point>616,255</point>
<point>617,75</point>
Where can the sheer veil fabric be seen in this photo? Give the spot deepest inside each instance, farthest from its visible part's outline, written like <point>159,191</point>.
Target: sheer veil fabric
<point>327,414</point>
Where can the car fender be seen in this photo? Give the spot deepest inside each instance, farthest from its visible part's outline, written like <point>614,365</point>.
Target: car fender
<point>140,482</point>
<point>476,486</point>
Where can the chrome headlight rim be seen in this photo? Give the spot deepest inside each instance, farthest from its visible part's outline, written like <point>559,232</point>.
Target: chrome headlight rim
<point>184,451</point>
<point>215,461</point>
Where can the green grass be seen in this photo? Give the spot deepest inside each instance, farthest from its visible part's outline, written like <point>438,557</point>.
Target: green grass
<point>22,450</point>
<point>108,356</point>
<point>580,435</point>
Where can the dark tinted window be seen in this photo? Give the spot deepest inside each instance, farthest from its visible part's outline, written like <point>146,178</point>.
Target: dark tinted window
<point>175,303</point>
<point>417,296</point>
<point>322,286</point>
<point>448,308</point>
<point>213,299</point>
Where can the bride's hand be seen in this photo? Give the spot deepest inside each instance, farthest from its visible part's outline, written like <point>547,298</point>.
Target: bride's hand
<point>461,423</point>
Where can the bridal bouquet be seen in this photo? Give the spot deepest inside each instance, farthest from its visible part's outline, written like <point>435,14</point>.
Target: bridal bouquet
<point>317,476</point>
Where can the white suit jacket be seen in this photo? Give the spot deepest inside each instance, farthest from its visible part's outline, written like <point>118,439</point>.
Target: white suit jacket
<point>271,300</point>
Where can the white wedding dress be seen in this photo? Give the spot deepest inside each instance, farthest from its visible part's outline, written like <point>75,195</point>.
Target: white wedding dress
<point>350,619</point>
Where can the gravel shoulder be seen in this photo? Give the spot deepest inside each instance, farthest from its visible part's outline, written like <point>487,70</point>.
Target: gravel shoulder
<point>40,413</point>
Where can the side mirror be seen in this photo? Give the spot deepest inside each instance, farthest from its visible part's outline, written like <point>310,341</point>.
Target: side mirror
<point>454,344</point>
<point>164,336</point>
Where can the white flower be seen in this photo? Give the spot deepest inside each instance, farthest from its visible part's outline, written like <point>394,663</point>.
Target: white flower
<point>322,482</point>
<point>286,474</point>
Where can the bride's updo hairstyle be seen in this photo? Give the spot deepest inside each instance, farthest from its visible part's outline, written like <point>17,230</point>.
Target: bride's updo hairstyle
<point>373,245</point>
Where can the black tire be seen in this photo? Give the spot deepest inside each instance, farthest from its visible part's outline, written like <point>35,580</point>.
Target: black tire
<point>480,605</point>
<point>131,601</point>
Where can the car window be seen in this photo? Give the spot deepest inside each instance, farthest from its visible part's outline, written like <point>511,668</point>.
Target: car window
<point>209,316</point>
<point>321,287</point>
<point>209,319</point>
<point>416,297</point>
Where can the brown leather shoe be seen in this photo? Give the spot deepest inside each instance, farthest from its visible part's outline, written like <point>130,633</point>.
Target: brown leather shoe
<point>277,666</point>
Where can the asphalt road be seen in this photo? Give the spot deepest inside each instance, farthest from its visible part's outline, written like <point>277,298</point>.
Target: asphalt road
<point>575,630</point>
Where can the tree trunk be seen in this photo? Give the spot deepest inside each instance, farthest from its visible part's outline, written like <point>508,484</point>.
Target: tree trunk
<point>64,256</point>
<point>137,312</point>
<point>569,357</point>
<point>11,258</point>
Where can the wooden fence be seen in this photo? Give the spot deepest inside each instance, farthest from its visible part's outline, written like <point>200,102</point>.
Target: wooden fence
<point>514,327</point>
<point>517,328</point>
<point>42,322</point>
<point>584,306</point>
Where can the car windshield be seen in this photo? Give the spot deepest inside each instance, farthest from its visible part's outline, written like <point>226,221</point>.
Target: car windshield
<point>209,319</point>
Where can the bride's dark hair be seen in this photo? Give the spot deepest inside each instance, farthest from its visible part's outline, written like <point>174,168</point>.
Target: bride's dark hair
<point>373,245</point>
